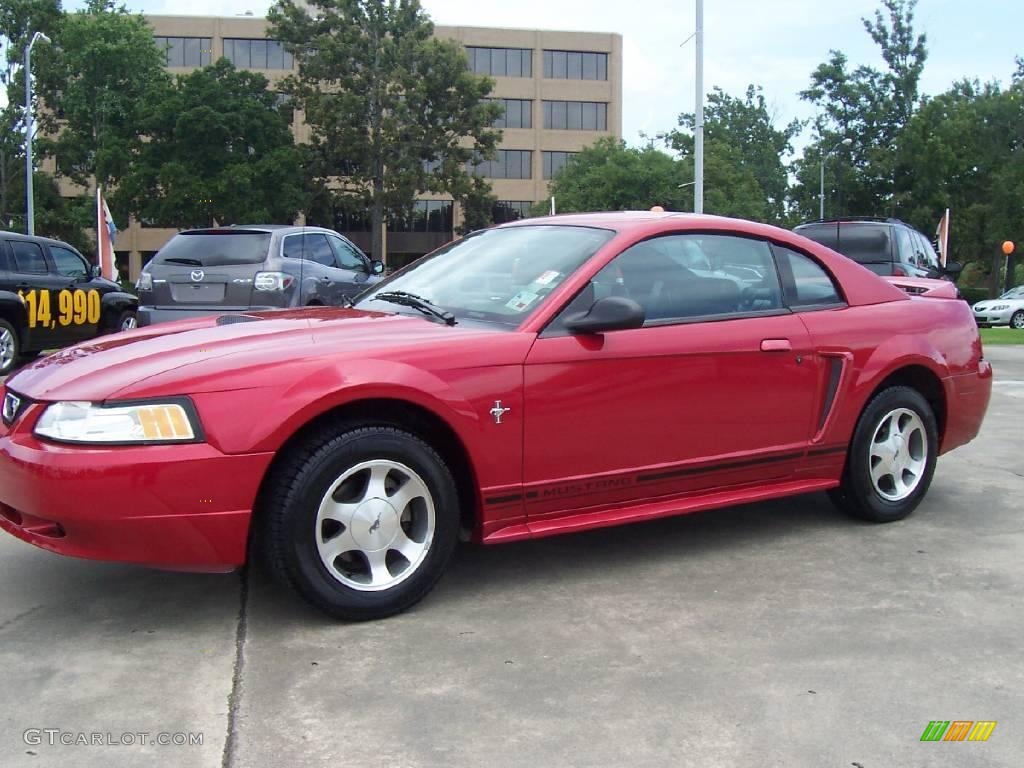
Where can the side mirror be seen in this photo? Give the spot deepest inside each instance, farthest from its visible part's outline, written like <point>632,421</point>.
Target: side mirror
<point>377,267</point>
<point>95,271</point>
<point>612,313</point>
<point>953,268</point>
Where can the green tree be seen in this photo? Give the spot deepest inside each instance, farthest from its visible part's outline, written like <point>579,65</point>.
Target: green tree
<point>742,131</point>
<point>19,20</point>
<point>218,148</point>
<point>392,111</point>
<point>96,83</point>
<point>869,106</point>
<point>477,206</point>
<point>610,176</point>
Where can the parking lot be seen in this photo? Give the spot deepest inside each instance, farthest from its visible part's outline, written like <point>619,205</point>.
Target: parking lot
<point>776,634</point>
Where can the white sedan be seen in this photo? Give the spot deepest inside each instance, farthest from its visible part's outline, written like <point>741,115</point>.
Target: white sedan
<point>1008,309</point>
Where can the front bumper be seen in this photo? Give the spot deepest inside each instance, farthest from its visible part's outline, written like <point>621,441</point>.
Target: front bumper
<point>183,507</point>
<point>988,317</point>
<point>153,315</point>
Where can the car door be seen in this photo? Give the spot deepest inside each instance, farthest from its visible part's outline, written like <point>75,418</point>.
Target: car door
<point>353,266</point>
<point>318,267</point>
<point>79,307</point>
<point>35,279</point>
<point>716,389</point>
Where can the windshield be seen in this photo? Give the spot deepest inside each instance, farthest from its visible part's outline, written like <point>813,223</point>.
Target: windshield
<point>495,276</point>
<point>206,249</point>
<point>1014,293</point>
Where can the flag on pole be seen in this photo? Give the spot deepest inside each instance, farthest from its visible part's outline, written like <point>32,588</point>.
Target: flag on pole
<point>942,238</point>
<point>106,231</point>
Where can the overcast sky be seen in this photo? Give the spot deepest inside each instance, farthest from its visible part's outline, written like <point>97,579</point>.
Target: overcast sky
<point>775,44</point>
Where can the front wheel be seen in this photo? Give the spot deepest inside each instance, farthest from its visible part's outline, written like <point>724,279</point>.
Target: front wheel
<point>362,522</point>
<point>891,459</point>
<point>1017,320</point>
<point>127,321</point>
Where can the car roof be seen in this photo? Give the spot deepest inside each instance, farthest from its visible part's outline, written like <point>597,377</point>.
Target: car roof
<point>256,228</point>
<point>37,239</point>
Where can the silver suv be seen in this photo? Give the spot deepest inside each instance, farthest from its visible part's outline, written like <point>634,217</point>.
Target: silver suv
<point>241,268</point>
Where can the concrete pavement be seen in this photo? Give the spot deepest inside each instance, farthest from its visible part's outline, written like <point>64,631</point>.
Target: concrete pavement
<point>773,634</point>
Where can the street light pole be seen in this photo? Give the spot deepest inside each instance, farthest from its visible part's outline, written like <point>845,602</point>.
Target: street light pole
<point>821,189</point>
<point>698,117</point>
<point>30,214</point>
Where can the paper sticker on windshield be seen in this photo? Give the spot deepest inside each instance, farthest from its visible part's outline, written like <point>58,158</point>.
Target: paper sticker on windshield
<point>547,277</point>
<point>521,301</point>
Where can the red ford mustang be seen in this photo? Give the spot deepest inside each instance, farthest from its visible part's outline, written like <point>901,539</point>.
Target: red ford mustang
<point>545,376</point>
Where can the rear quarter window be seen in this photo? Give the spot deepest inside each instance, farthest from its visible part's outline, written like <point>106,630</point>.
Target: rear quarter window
<point>805,283</point>
<point>207,249</point>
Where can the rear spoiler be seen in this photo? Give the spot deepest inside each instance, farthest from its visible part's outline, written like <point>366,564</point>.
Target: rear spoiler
<point>923,286</point>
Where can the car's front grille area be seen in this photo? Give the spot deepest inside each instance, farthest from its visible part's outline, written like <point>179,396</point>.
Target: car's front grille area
<point>13,406</point>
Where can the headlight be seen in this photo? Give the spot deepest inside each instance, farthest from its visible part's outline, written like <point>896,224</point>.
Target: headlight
<point>76,422</point>
<point>998,307</point>
<point>145,282</point>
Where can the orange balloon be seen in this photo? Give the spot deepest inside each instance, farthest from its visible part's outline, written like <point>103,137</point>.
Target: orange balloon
<point>1008,247</point>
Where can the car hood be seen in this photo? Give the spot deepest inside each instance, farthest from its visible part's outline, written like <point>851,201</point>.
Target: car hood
<point>226,352</point>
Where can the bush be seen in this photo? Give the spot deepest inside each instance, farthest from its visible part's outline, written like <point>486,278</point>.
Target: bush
<point>972,295</point>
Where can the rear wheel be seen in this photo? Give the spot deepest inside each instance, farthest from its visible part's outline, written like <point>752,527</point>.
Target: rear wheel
<point>10,347</point>
<point>127,321</point>
<point>360,523</point>
<point>891,459</point>
<point>1017,320</point>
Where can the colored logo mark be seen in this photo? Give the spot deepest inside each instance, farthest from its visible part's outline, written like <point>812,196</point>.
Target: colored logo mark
<point>958,730</point>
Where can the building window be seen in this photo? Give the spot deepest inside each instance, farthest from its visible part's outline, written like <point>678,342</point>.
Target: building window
<point>518,113</point>
<point>352,221</point>
<point>555,161</point>
<point>509,164</point>
<point>501,62</point>
<point>185,51</point>
<point>425,216</point>
<point>257,54</point>
<point>575,65</point>
<point>576,115</point>
<point>510,210</point>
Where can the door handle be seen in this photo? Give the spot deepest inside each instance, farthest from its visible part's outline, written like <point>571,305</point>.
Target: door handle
<point>776,345</point>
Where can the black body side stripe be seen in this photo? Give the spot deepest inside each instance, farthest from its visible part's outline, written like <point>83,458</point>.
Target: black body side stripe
<point>654,477</point>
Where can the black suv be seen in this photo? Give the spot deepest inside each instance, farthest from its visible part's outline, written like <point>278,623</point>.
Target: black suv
<point>885,246</point>
<point>50,296</point>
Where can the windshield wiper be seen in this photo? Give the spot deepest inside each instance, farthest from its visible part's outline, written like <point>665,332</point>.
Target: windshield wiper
<point>407,299</point>
<point>183,260</point>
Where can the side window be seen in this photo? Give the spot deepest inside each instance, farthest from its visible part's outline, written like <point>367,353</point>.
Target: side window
<point>905,243</point>
<point>28,257</point>
<point>69,263</point>
<point>313,247</point>
<point>680,277</point>
<point>929,259</point>
<point>317,249</point>
<point>346,254</point>
<point>5,261</point>
<point>804,281</point>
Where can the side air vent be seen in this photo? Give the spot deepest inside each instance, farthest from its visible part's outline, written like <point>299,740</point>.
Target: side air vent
<point>232,319</point>
<point>835,370</point>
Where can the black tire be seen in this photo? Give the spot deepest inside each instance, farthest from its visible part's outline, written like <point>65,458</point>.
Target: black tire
<point>10,347</point>
<point>289,533</point>
<point>857,494</point>
<point>1017,320</point>
<point>126,321</point>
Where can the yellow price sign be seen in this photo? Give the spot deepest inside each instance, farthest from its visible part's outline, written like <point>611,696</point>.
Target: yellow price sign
<point>72,308</point>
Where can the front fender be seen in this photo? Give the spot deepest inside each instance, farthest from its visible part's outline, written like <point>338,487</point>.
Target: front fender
<point>12,309</point>
<point>113,304</point>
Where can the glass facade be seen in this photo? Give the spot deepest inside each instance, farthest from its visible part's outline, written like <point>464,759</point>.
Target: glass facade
<point>501,62</point>
<point>576,115</point>
<point>185,51</point>
<point>575,65</point>
<point>256,54</point>
<point>554,161</point>
<point>509,164</point>
<point>518,113</point>
<point>425,216</point>
<point>510,210</point>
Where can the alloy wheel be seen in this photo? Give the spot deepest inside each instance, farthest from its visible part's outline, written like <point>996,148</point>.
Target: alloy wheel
<point>375,525</point>
<point>7,349</point>
<point>898,454</point>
